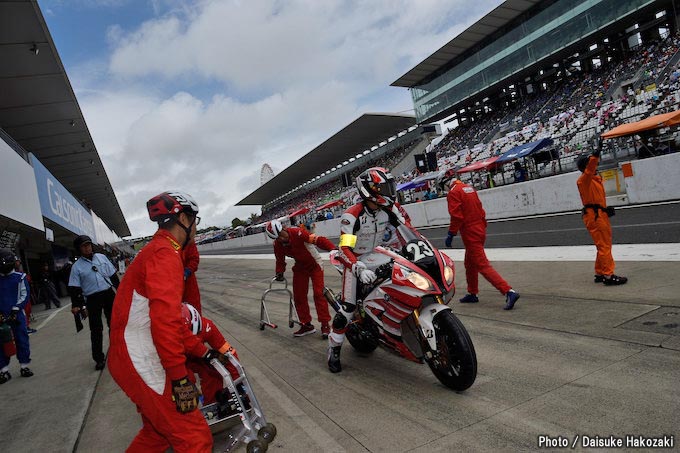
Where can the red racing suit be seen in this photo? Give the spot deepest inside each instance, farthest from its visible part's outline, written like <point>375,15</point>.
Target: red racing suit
<point>147,348</point>
<point>301,247</point>
<point>211,380</point>
<point>468,218</point>
<point>594,200</point>
<point>191,258</point>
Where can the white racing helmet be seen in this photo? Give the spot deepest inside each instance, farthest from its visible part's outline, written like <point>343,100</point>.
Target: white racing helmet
<point>273,229</point>
<point>192,318</point>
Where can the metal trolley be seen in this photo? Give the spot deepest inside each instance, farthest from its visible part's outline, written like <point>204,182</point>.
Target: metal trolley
<point>292,312</point>
<point>236,402</point>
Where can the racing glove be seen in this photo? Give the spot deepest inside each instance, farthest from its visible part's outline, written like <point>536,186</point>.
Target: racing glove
<point>449,239</point>
<point>598,148</point>
<point>187,273</point>
<point>365,275</point>
<point>279,276</point>
<point>12,319</point>
<point>185,395</point>
<point>213,354</point>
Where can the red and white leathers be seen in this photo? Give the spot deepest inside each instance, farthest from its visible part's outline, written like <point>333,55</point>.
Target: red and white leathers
<point>191,259</point>
<point>211,381</point>
<point>147,348</point>
<point>301,246</point>
<point>468,218</point>
<point>371,228</point>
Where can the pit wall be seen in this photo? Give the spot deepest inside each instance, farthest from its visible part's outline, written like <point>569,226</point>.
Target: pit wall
<point>639,181</point>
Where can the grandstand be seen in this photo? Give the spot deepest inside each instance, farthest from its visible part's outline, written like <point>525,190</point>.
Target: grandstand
<point>327,171</point>
<point>530,70</point>
<point>531,80</point>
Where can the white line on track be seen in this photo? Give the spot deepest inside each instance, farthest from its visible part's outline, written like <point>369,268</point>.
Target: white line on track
<point>621,252</point>
<point>314,431</point>
<point>49,318</point>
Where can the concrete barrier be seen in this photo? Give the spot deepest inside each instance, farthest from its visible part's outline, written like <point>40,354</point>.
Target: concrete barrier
<point>653,179</point>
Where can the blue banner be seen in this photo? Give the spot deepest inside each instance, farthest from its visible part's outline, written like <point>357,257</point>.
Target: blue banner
<point>58,205</point>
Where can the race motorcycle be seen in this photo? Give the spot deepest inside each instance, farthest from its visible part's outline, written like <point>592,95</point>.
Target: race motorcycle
<point>405,310</point>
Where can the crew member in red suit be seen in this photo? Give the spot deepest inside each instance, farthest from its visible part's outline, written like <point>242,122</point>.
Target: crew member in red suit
<point>204,331</point>
<point>596,217</point>
<point>468,218</point>
<point>191,259</point>
<point>147,353</point>
<point>301,246</point>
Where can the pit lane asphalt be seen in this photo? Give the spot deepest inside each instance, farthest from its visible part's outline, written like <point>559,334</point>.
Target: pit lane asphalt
<point>572,358</point>
<point>636,224</point>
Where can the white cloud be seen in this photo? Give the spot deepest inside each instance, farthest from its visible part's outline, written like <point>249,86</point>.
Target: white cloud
<point>281,77</point>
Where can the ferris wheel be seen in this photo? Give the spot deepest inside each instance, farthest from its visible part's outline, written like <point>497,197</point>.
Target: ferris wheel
<point>266,174</point>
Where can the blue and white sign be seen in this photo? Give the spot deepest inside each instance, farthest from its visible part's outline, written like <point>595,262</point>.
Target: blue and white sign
<point>57,203</point>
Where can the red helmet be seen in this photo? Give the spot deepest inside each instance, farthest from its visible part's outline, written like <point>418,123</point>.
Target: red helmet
<point>166,205</point>
<point>378,185</point>
<point>192,318</point>
<point>273,229</point>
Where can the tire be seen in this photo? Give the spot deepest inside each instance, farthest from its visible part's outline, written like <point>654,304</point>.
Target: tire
<point>257,446</point>
<point>455,361</point>
<point>267,433</point>
<point>363,336</point>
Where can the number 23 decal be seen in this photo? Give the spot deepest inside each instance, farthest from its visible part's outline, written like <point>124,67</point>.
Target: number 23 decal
<point>419,250</point>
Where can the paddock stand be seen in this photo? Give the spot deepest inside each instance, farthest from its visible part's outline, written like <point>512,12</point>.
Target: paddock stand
<point>264,313</point>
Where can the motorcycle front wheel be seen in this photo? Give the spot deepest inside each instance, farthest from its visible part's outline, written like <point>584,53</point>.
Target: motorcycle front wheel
<point>455,361</point>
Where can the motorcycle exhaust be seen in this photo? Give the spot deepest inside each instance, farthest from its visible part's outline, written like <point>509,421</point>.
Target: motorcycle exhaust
<point>332,299</point>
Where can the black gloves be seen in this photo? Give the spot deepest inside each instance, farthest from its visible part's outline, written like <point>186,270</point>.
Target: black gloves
<point>185,395</point>
<point>597,149</point>
<point>12,318</point>
<point>279,276</point>
<point>213,354</point>
<point>449,239</point>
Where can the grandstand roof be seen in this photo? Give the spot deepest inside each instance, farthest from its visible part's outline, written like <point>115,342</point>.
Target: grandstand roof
<point>483,28</point>
<point>39,110</point>
<point>361,134</point>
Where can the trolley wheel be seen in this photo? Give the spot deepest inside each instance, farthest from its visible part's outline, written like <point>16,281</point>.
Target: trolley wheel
<point>267,433</point>
<point>256,446</point>
<point>261,326</point>
<point>291,324</point>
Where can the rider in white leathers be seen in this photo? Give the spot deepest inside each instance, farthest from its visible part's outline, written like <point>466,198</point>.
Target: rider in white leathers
<point>364,226</point>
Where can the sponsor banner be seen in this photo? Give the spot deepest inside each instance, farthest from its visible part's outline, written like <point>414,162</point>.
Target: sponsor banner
<point>17,185</point>
<point>57,203</point>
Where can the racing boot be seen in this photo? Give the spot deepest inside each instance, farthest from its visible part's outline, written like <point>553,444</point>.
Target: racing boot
<point>614,280</point>
<point>510,298</point>
<point>26,372</point>
<point>334,365</point>
<point>5,376</point>
<point>469,299</point>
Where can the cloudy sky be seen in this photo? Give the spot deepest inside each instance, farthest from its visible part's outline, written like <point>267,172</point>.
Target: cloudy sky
<point>198,95</point>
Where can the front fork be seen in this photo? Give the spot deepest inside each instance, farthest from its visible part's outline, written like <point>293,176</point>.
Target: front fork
<point>425,320</point>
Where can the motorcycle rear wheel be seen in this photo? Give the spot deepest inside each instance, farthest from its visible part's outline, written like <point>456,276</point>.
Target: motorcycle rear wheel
<point>455,361</point>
